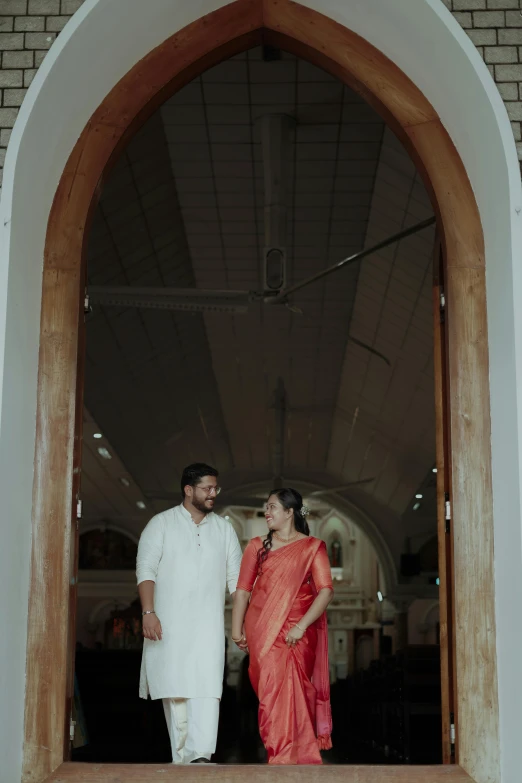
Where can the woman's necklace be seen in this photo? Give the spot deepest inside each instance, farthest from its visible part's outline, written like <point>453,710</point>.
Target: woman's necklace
<point>286,540</point>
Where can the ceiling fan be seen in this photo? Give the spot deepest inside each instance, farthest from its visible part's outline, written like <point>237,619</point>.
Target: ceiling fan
<point>275,131</point>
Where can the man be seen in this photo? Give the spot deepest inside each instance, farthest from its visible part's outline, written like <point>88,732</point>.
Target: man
<point>186,557</point>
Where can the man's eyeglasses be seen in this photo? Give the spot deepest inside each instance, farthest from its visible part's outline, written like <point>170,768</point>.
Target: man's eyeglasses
<point>209,490</point>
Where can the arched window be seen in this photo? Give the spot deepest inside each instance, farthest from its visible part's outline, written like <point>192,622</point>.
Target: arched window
<point>335,551</point>
<point>107,549</point>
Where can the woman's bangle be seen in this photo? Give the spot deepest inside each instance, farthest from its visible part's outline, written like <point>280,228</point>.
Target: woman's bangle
<point>148,611</point>
<point>301,629</point>
<point>238,640</point>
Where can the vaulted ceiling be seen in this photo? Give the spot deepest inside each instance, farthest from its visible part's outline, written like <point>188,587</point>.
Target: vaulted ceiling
<point>183,207</point>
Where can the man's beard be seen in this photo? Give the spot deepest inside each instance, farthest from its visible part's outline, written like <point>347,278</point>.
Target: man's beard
<point>201,506</point>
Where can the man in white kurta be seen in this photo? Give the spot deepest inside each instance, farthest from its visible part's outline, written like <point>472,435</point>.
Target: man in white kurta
<point>191,557</point>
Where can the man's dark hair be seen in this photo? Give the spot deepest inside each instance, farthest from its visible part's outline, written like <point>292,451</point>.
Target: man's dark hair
<point>193,474</point>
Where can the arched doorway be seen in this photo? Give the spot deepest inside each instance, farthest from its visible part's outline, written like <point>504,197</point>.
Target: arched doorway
<point>351,58</point>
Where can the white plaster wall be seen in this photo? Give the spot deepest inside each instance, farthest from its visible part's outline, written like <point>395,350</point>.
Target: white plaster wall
<point>423,616</point>
<point>426,42</point>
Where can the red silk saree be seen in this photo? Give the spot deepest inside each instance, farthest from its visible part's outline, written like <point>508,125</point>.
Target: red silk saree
<point>292,684</point>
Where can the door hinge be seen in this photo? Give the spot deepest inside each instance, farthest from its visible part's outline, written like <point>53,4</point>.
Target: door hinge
<point>452,733</point>
<point>442,305</point>
<point>72,727</point>
<point>79,509</point>
<point>86,304</point>
<point>447,512</point>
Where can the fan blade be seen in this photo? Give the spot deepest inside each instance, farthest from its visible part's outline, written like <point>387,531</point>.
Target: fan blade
<point>370,349</point>
<point>318,492</point>
<point>282,296</point>
<point>192,299</point>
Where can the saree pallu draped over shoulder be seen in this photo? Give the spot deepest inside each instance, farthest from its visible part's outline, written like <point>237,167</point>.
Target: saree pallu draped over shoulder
<point>292,683</point>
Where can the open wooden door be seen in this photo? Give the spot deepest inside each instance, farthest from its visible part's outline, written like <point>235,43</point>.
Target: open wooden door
<point>74,536</point>
<point>444,526</point>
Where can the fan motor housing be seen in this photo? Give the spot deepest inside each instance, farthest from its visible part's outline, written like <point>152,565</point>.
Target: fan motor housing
<point>274,269</point>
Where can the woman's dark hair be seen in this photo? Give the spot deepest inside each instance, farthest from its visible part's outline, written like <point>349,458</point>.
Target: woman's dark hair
<point>289,499</point>
<point>192,474</point>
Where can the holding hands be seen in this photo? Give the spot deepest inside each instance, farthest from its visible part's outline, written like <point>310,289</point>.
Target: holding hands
<point>241,643</point>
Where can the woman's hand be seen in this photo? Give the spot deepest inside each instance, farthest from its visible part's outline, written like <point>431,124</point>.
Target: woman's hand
<point>241,643</point>
<point>151,627</point>
<point>294,635</point>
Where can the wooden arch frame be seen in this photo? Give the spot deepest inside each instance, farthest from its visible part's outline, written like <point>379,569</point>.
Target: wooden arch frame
<point>210,39</point>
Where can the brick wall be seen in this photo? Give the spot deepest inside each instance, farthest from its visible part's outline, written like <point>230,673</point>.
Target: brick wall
<point>29,27</point>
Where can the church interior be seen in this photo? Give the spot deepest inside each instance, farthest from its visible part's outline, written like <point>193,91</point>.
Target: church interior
<point>257,175</point>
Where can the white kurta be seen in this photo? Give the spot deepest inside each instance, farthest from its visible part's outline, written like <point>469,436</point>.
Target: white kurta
<point>191,566</point>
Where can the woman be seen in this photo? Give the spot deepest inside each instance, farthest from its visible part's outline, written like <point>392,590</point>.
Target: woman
<point>284,587</point>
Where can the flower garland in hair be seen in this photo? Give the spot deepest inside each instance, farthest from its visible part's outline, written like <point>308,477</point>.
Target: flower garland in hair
<point>304,511</point>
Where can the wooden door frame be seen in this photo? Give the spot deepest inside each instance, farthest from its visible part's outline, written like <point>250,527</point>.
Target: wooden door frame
<point>444,497</point>
<point>210,39</point>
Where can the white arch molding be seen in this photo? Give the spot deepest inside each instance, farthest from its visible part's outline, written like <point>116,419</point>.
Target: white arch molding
<point>426,43</point>
<point>434,605</point>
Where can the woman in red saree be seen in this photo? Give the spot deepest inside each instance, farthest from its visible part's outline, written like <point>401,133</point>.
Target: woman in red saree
<point>284,587</point>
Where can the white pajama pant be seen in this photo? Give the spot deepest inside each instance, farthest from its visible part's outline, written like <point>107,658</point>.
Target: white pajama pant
<point>193,728</point>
